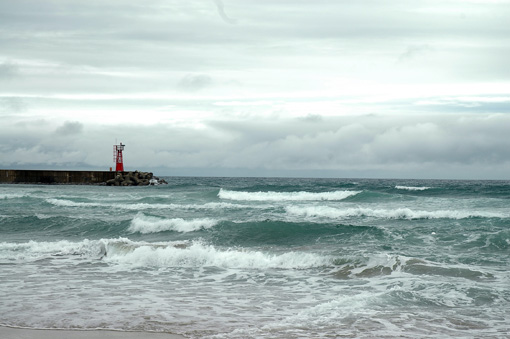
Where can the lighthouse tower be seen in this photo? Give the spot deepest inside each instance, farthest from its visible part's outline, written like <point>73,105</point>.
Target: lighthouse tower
<point>117,157</point>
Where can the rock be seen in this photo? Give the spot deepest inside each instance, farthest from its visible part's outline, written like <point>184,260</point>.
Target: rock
<point>135,178</point>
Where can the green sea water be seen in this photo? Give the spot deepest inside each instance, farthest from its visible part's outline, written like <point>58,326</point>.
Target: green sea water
<point>260,258</point>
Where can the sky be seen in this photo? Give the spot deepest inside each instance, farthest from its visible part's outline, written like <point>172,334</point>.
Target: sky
<point>348,89</point>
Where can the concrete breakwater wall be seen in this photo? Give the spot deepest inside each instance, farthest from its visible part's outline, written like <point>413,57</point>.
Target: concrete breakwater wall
<point>74,177</point>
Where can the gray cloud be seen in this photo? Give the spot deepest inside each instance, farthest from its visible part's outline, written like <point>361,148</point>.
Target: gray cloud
<point>8,70</point>
<point>413,52</point>
<point>302,85</point>
<point>12,105</point>
<point>197,82</point>
<point>420,146</point>
<point>70,128</point>
<point>221,12</point>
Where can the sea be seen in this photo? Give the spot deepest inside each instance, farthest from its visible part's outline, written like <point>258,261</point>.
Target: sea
<point>260,258</point>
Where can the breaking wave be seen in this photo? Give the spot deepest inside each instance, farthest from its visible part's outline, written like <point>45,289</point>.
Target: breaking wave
<point>12,196</point>
<point>34,250</point>
<point>69,203</point>
<point>148,224</point>
<point>284,196</point>
<point>198,254</point>
<point>411,188</point>
<point>161,254</point>
<point>146,206</point>
<point>399,213</point>
<point>207,206</point>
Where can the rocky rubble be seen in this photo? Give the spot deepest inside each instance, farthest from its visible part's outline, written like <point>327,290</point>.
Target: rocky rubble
<point>135,179</point>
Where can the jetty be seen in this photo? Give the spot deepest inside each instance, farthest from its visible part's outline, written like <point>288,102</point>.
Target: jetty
<point>119,177</point>
<point>110,178</point>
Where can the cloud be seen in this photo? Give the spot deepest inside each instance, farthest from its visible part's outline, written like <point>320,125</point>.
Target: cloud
<point>12,105</point>
<point>312,85</point>
<point>412,146</point>
<point>8,70</point>
<point>223,15</point>
<point>413,52</point>
<point>195,82</point>
<point>312,118</point>
<point>366,143</point>
<point>69,128</point>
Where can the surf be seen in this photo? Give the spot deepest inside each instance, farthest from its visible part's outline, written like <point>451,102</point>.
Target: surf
<point>144,224</point>
<point>383,213</point>
<point>284,196</point>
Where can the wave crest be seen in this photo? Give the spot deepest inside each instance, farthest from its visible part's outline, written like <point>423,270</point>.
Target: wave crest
<point>399,213</point>
<point>146,206</point>
<point>284,196</point>
<point>198,254</point>
<point>412,188</point>
<point>34,250</point>
<point>69,203</point>
<point>148,224</point>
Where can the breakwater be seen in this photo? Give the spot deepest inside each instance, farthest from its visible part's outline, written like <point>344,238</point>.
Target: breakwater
<point>76,177</point>
<point>134,179</point>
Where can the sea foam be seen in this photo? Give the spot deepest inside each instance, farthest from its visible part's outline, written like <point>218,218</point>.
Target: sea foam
<point>148,224</point>
<point>146,206</point>
<point>398,213</point>
<point>412,188</point>
<point>202,255</point>
<point>207,206</point>
<point>69,203</point>
<point>34,250</point>
<point>284,196</point>
<point>12,196</point>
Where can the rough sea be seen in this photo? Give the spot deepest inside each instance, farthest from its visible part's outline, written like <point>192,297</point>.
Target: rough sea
<point>260,258</point>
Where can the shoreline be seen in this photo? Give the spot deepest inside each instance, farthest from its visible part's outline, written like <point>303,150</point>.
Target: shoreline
<point>28,333</point>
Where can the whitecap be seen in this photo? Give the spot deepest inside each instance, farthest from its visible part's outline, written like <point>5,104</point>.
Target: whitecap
<point>12,196</point>
<point>148,224</point>
<point>201,255</point>
<point>69,203</point>
<point>206,206</point>
<point>284,196</point>
<point>34,250</point>
<point>412,188</point>
<point>398,213</point>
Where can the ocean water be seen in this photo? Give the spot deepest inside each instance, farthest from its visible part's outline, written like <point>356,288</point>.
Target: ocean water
<point>260,258</point>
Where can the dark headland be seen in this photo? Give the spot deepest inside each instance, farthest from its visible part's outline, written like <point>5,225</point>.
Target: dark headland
<point>109,178</point>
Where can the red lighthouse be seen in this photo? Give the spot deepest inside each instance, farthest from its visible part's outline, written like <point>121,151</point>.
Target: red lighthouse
<point>117,157</point>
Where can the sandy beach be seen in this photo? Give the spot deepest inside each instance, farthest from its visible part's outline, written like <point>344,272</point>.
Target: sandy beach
<point>22,333</point>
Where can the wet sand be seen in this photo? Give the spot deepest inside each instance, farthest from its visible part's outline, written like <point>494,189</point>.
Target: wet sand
<point>22,333</point>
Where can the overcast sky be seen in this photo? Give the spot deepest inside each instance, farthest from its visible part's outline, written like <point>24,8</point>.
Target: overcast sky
<point>338,88</point>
